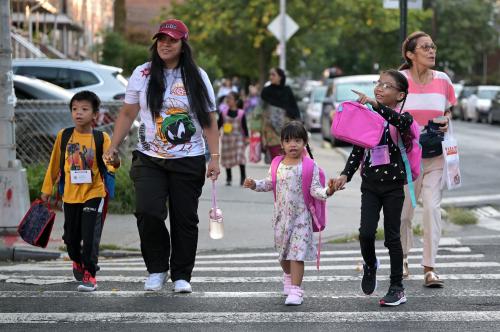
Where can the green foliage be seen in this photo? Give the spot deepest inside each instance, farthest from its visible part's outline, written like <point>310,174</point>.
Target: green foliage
<point>36,175</point>
<point>117,51</point>
<point>461,216</point>
<point>124,201</point>
<point>418,230</point>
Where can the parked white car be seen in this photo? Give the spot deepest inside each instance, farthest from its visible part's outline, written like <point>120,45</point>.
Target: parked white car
<point>485,94</point>
<point>106,81</point>
<point>314,103</point>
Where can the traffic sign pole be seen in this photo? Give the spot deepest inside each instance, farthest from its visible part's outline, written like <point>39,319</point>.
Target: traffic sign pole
<point>283,35</point>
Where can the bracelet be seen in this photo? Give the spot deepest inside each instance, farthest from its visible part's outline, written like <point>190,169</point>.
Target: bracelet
<point>215,155</point>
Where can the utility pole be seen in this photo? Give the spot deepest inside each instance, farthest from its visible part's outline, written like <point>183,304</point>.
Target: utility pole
<point>283,35</point>
<point>403,19</point>
<point>14,197</point>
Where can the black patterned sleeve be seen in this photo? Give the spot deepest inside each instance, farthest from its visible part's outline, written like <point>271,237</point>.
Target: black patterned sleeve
<point>353,162</point>
<point>401,121</point>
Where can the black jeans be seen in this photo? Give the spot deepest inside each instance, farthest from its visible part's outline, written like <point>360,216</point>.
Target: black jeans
<point>163,185</point>
<point>82,231</point>
<point>390,197</point>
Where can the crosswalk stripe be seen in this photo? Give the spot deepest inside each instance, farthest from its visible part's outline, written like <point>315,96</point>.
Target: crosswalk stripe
<point>140,261</point>
<point>247,317</point>
<point>323,253</point>
<point>168,293</point>
<point>58,279</point>
<point>324,267</point>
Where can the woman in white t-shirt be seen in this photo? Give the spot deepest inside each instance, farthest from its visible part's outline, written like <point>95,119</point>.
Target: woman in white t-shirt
<point>175,101</point>
<point>430,98</point>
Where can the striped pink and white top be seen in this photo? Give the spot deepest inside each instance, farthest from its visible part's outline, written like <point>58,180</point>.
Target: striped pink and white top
<point>425,102</point>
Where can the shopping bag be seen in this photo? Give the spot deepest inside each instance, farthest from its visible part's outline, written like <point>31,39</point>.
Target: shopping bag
<point>36,225</point>
<point>255,151</point>
<point>452,178</point>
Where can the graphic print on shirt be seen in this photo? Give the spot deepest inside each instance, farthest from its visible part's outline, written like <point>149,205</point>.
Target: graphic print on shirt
<point>80,157</point>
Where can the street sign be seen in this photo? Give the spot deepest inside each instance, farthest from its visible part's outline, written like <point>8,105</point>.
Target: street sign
<point>394,4</point>
<point>290,27</point>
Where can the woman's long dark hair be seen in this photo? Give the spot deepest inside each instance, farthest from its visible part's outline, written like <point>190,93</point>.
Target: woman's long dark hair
<point>295,129</point>
<point>409,44</point>
<point>402,85</point>
<point>197,93</point>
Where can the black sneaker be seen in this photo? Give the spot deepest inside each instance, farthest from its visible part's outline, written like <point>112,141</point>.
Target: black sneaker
<point>395,296</point>
<point>369,281</point>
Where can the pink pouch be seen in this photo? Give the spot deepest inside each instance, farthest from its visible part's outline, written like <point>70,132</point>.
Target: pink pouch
<point>357,124</point>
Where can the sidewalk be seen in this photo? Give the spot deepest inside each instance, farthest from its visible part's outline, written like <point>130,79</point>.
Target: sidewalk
<point>247,214</point>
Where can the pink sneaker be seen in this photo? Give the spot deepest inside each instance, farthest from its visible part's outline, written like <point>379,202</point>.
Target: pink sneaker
<point>296,296</point>
<point>287,283</point>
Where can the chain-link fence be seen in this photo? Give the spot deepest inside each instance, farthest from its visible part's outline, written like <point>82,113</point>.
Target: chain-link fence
<point>38,122</point>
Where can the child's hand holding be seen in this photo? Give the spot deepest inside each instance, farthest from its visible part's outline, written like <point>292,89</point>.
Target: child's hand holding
<point>331,187</point>
<point>44,197</point>
<point>340,182</point>
<point>249,183</point>
<point>364,99</point>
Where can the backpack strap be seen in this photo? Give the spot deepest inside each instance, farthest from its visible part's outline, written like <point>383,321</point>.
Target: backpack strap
<point>99,143</point>
<point>65,136</point>
<point>274,169</point>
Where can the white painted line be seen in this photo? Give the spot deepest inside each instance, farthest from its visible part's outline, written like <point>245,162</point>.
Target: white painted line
<point>323,267</point>
<point>449,241</point>
<point>478,199</point>
<point>247,317</point>
<point>58,279</point>
<point>140,262</point>
<point>323,253</point>
<point>167,292</point>
<point>489,223</point>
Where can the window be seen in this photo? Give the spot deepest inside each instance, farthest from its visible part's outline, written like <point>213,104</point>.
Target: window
<point>48,74</point>
<point>82,78</point>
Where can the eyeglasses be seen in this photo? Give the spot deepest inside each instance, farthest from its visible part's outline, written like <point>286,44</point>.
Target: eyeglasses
<point>427,47</point>
<point>384,85</point>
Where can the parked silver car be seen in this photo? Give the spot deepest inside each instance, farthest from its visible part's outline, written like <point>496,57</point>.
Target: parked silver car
<point>314,103</point>
<point>106,81</point>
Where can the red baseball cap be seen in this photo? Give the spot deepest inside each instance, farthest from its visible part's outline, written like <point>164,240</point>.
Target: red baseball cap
<point>173,28</point>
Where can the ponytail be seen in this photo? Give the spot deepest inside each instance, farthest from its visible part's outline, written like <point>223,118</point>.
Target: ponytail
<point>308,148</point>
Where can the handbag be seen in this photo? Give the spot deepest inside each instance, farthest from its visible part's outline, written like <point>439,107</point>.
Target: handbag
<point>431,141</point>
<point>358,124</point>
<point>37,223</point>
<point>277,118</point>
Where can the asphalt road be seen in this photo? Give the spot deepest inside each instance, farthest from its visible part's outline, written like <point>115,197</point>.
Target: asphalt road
<point>239,290</point>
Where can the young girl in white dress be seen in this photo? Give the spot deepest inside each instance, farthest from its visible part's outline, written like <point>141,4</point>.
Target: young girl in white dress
<point>293,232</point>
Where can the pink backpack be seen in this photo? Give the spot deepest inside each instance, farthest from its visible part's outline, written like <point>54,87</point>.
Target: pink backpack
<point>316,207</point>
<point>357,124</point>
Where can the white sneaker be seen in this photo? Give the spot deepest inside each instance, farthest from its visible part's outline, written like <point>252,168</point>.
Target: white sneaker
<point>155,281</point>
<point>182,286</point>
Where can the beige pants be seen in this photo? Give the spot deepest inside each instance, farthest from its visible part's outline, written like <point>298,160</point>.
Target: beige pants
<point>428,185</point>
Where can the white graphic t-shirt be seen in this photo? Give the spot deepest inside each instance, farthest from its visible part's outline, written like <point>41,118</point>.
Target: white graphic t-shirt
<point>176,132</point>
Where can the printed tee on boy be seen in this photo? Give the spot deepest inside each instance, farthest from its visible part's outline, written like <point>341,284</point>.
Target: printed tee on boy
<point>176,132</point>
<point>79,156</point>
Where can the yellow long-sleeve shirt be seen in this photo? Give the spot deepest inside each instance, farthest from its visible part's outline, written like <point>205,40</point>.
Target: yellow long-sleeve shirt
<point>80,155</point>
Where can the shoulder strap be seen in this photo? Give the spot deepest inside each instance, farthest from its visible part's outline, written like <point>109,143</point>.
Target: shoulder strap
<point>274,169</point>
<point>66,135</point>
<point>99,142</point>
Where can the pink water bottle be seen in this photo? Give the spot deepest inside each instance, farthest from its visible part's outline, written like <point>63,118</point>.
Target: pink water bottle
<point>215,219</point>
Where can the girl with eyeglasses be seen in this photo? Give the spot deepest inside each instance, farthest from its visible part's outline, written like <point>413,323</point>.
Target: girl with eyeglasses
<point>383,177</point>
<point>430,98</point>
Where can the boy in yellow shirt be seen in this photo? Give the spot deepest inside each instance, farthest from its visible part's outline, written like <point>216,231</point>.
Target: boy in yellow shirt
<point>82,185</point>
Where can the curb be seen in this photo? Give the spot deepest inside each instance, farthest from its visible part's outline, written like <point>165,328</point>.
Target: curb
<point>22,254</point>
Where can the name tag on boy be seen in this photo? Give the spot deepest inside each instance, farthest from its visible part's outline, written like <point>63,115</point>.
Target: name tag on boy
<point>81,176</point>
<point>380,155</point>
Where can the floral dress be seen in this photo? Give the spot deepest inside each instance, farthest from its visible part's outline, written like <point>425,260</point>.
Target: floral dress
<point>292,221</point>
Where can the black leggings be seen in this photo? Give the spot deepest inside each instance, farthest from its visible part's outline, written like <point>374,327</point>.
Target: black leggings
<point>229,176</point>
<point>390,197</point>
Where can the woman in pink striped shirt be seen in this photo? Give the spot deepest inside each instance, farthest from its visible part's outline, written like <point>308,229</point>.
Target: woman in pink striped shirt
<point>430,97</point>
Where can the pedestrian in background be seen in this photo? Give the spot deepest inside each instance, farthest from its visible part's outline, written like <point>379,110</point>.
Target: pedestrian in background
<point>383,177</point>
<point>83,189</point>
<point>234,136</point>
<point>279,107</point>
<point>430,98</point>
<point>292,220</point>
<point>176,104</point>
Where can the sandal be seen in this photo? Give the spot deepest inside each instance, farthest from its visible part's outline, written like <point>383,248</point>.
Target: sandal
<point>431,280</point>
